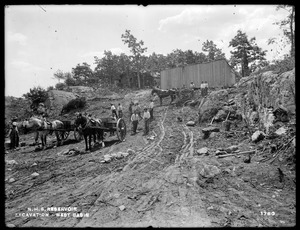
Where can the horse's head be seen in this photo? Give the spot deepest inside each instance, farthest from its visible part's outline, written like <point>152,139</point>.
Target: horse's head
<point>80,121</point>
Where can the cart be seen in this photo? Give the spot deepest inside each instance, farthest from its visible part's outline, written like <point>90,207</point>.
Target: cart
<point>68,127</point>
<point>110,125</point>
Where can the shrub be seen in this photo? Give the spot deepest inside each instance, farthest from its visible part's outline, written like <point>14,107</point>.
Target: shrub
<point>60,86</point>
<point>36,96</point>
<point>74,104</point>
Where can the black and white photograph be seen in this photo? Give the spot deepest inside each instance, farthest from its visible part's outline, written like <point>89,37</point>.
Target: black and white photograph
<point>153,116</point>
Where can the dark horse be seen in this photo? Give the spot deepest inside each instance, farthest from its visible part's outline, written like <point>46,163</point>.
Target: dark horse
<point>164,93</point>
<point>89,128</point>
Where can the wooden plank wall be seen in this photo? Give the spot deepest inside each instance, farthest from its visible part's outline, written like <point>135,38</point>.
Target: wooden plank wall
<point>217,74</point>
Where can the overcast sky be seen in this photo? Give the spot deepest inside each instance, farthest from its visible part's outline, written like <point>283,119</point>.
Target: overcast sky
<point>40,39</point>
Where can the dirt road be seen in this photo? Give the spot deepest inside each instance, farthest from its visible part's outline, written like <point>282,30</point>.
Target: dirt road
<point>161,183</point>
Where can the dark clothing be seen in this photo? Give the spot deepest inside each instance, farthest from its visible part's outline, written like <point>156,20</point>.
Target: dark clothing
<point>120,113</point>
<point>151,114</point>
<point>14,138</point>
<point>114,112</point>
<point>134,126</point>
<point>146,128</point>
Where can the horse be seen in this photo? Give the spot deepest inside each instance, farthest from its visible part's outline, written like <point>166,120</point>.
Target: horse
<point>44,128</point>
<point>89,128</point>
<point>164,93</point>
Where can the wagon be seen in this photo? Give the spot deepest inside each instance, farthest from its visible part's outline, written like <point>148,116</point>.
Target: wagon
<point>116,126</point>
<point>68,127</point>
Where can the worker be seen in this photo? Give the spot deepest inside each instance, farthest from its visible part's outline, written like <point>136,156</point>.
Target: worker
<point>13,134</point>
<point>135,121</point>
<point>205,88</point>
<point>131,108</point>
<point>113,110</point>
<point>138,109</point>
<point>120,112</point>
<point>202,88</point>
<point>151,107</point>
<point>192,85</point>
<point>146,118</point>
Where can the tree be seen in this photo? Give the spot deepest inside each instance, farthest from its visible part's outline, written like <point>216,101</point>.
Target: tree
<point>245,52</point>
<point>137,50</point>
<point>59,75</point>
<point>82,74</point>
<point>288,25</point>
<point>36,95</point>
<point>213,53</point>
<point>107,67</point>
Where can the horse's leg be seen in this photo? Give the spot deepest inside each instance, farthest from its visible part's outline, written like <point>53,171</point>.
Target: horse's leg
<point>90,141</point>
<point>57,138</point>
<point>86,141</point>
<point>160,99</point>
<point>36,138</point>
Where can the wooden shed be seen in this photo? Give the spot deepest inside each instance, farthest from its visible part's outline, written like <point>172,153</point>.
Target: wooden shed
<point>217,74</point>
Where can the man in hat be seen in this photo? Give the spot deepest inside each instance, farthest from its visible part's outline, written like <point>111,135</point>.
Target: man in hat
<point>113,110</point>
<point>120,110</point>
<point>135,121</point>
<point>138,109</point>
<point>146,118</point>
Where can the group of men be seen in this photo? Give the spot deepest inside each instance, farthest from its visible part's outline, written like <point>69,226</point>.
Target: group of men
<point>135,116</point>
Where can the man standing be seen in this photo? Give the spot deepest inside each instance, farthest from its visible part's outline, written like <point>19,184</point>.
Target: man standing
<point>205,88</point>
<point>146,118</point>
<point>192,85</point>
<point>14,136</point>
<point>130,108</point>
<point>113,110</point>
<point>120,112</point>
<point>202,88</point>
<point>135,121</point>
<point>151,106</point>
<point>138,109</point>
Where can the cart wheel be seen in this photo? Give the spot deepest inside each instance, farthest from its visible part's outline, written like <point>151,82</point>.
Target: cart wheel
<point>63,135</point>
<point>77,135</point>
<point>121,129</point>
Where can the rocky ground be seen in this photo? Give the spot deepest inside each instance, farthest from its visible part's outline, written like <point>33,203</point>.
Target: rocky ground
<point>170,178</point>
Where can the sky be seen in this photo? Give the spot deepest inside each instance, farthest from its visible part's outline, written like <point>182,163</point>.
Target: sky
<point>41,39</point>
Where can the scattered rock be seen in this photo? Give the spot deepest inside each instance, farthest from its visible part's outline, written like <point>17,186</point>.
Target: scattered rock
<point>125,154</point>
<point>190,123</point>
<point>122,207</point>
<point>220,116</point>
<point>130,151</point>
<point>281,131</point>
<point>231,149</point>
<point>11,162</point>
<point>203,150</point>
<point>151,138</point>
<point>10,225</point>
<point>119,155</point>
<point>220,152</point>
<point>257,136</point>
<point>11,180</point>
<point>210,171</point>
<point>35,174</point>
<point>211,129</point>
<point>34,164</point>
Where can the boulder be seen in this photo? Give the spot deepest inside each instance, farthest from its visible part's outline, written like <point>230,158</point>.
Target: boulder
<point>209,171</point>
<point>209,107</point>
<point>35,174</point>
<point>220,116</point>
<point>190,123</point>
<point>231,149</point>
<point>211,129</point>
<point>203,150</point>
<point>257,136</point>
<point>11,180</point>
<point>281,131</point>
<point>11,162</point>
<point>122,207</point>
